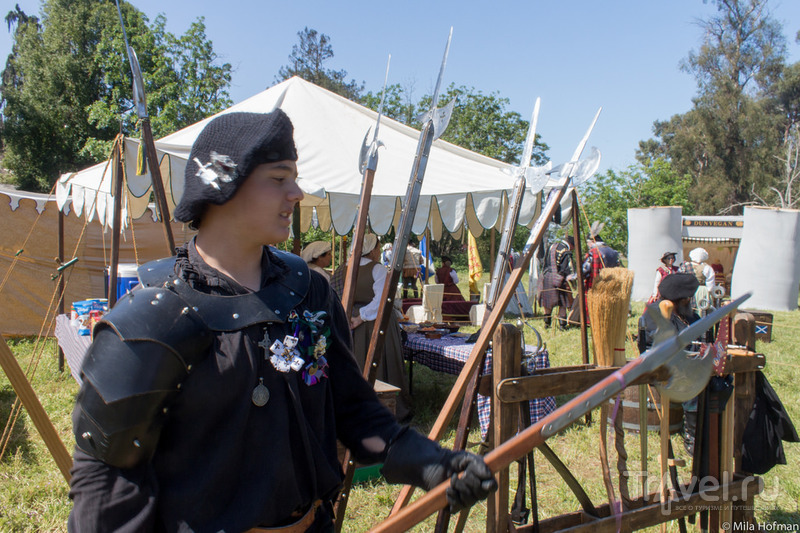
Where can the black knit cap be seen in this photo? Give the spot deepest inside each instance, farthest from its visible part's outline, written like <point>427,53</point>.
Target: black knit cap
<point>228,149</point>
<point>679,285</point>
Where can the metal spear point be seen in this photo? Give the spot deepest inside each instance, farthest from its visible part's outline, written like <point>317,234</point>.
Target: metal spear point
<point>567,172</point>
<point>439,118</point>
<point>368,158</point>
<point>520,172</point>
<point>381,323</point>
<point>434,123</point>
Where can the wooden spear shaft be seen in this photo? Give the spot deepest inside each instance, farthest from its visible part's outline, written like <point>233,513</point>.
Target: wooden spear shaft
<point>348,296</point>
<point>35,410</point>
<point>487,330</point>
<point>158,184</point>
<point>351,275</point>
<point>511,450</point>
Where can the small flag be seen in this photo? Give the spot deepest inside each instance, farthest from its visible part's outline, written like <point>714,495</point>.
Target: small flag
<point>475,266</point>
<point>426,259</point>
<point>762,330</point>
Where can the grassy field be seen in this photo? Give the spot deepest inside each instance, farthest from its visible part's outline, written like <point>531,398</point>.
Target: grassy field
<point>33,494</point>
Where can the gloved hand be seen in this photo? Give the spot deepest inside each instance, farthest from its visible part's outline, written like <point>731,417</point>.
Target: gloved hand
<point>415,460</point>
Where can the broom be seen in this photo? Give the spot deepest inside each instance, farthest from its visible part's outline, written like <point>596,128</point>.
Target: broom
<point>608,303</point>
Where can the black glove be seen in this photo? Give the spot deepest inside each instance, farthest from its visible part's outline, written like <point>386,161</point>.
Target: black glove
<point>415,460</point>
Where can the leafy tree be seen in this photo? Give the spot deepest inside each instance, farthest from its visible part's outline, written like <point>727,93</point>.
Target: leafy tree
<point>307,59</point>
<point>479,122</point>
<point>67,92</point>
<point>398,103</point>
<point>607,197</point>
<point>482,124</point>
<point>727,142</point>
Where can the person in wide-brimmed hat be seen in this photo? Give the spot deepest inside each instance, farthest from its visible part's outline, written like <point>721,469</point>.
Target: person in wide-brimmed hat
<point>667,267</point>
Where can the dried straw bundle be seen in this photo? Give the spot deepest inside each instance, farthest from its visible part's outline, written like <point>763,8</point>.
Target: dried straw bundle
<point>608,302</point>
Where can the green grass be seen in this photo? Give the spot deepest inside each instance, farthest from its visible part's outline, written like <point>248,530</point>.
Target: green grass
<point>33,494</point>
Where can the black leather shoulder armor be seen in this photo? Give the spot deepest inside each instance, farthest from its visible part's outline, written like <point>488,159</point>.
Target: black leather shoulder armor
<point>143,350</point>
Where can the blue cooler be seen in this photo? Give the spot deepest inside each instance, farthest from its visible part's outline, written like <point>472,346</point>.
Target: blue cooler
<point>127,278</point>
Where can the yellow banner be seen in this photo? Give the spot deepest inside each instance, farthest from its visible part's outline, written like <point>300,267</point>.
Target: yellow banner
<point>475,266</point>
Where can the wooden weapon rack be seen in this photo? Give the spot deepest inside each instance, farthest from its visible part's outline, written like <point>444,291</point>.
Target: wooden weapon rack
<point>729,499</point>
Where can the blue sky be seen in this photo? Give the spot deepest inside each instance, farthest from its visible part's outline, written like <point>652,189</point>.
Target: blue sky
<point>577,56</point>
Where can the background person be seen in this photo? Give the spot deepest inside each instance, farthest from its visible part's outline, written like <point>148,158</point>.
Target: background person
<point>366,304</point>
<point>411,263</point>
<point>318,256</point>
<point>448,276</point>
<point>667,267</point>
<point>598,256</point>
<point>702,271</point>
<point>213,395</point>
<point>555,290</point>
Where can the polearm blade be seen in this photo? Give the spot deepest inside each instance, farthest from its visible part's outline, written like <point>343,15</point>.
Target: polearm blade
<point>377,340</point>
<point>147,137</point>
<point>515,204</point>
<point>368,165</point>
<point>667,353</point>
<point>477,354</point>
<point>404,229</point>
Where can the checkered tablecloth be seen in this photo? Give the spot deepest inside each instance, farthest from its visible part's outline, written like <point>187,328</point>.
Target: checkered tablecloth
<point>449,354</point>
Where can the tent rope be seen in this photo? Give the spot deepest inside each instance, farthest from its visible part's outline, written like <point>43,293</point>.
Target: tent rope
<point>38,349</point>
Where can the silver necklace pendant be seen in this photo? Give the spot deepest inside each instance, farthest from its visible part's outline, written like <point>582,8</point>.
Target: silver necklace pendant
<point>260,394</point>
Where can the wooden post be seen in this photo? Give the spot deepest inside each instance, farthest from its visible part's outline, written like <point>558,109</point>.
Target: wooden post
<point>296,244</point>
<point>726,457</point>
<point>664,455</point>
<point>35,410</point>
<point>60,281</point>
<point>643,434</point>
<point>578,255</point>
<point>506,360</point>
<point>158,184</point>
<point>744,389</point>
<point>117,221</point>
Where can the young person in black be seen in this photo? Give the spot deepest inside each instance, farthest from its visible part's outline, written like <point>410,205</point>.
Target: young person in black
<point>213,396</point>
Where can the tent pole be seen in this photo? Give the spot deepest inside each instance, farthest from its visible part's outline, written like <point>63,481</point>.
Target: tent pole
<point>112,272</point>
<point>60,281</point>
<point>576,234</point>
<point>491,244</point>
<point>333,249</point>
<point>158,184</point>
<point>427,257</point>
<point>296,242</point>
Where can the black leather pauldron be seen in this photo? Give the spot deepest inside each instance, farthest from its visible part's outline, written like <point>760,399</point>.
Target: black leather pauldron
<point>145,347</point>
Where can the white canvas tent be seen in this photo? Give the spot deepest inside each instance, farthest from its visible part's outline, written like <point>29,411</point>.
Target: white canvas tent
<point>460,186</point>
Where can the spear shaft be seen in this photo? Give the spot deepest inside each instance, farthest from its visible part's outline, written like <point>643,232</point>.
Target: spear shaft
<point>382,321</point>
<point>477,354</point>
